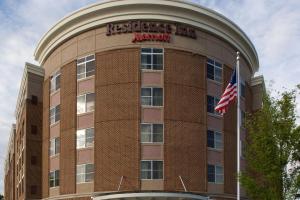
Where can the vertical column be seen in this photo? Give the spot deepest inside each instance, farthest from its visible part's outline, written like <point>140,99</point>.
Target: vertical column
<point>185,121</point>
<point>117,120</point>
<point>45,139</point>
<point>68,129</point>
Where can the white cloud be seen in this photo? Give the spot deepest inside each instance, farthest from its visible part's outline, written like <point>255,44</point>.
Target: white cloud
<point>273,27</point>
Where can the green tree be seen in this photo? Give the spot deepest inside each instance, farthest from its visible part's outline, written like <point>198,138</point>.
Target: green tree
<point>1,197</point>
<point>272,150</point>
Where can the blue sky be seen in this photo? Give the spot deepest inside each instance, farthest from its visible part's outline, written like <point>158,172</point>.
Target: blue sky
<point>273,27</point>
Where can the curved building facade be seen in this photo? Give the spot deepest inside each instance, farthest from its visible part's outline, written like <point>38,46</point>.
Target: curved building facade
<point>128,102</point>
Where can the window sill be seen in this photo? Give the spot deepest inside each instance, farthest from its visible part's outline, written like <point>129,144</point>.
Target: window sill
<point>215,183</point>
<point>54,92</point>
<point>85,113</point>
<point>152,179</point>
<point>54,156</point>
<point>84,148</point>
<point>215,82</point>
<point>147,106</point>
<point>214,149</point>
<point>152,143</point>
<point>214,115</point>
<point>51,125</point>
<point>86,78</point>
<point>152,70</point>
<point>90,182</point>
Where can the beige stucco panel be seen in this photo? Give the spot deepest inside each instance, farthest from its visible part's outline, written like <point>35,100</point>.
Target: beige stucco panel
<point>152,184</point>
<point>86,45</point>
<point>69,53</point>
<point>85,187</point>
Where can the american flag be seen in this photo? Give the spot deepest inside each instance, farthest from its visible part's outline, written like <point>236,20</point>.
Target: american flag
<point>229,95</point>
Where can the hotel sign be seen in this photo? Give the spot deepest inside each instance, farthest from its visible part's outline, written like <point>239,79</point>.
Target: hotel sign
<point>150,31</point>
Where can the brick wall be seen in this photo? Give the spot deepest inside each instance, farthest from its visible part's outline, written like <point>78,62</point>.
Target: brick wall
<point>45,139</point>
<point>185,121</point>
<point>117,148</point>
<point>68,129</point>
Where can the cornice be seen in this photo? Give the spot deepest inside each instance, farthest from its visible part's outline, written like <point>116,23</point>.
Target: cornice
<point>99,14</point>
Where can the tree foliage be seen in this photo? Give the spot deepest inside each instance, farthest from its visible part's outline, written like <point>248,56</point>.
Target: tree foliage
<point>272,150</point>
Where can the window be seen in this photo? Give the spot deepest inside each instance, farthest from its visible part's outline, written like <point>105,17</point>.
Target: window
<point>214,139</point>
<point>85,103</point>
<point>152,133</point>
<point>85,138</point>
<point>86,67</point>
<point>151,169</point>
<point>54,114</point>
<point>243,89</point>
<point>33,189</point>
<point>215,174</point>
<point>54,178</point>
<point>152,59</point>
<point>152,97</point>
<point>214,70</point>
<point>211,104</point>
<point>33,129</point>
<point>54,146</point>
<point>33,160</point>
<point>34,99</point>
<point>85,173</point>
<point>55,82</point>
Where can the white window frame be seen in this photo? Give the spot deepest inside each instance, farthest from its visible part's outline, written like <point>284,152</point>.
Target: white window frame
<point>163,166</point>
<point>55,115</point>
<point>151,53</point>
<point>54,142</point>
<point>152,96</point>
<point>55,178</point>
<point>84,62</point>
<point>85,144</point>
<point>85,108</point>
<point>84,174</point>
<point>217,141</point>
<point>216,101</point>
<point>217,174</point>
<point>152,133</point>
<point>53,81</point>
<point>215,67</point>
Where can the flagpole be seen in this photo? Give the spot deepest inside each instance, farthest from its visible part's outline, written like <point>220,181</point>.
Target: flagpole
<point>238,122</point>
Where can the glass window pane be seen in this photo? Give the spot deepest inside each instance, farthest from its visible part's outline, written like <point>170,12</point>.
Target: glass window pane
<point>81,60</point>
<point>157,175</point>
<point>57,113</point>
<point>157,96</point>
<point>218,140</point>
<point>91,57</point>
<point>80,178</point>
<point>157,165</point>
<point>89,168</point>
<point>210,61</point>
<point>210,139</point>
<point>145,132</point>
<point>90,68</point>
<point>146,50</point>
<point>145,174</point>
<point>158,62</point>
<point>57,82</point>
<point>157,50</point>
<point>146,101</point>
<point>57,145</point>
<point>81,104</point>
<point>89,177</point>
<point>80,169</point>
<point>80,71</point>
<point>210,104</point>
<point>80,140</point>
<point>218,74</point>
<point>146,92</point>
<point>146,165</point>
<point>90,102</point>
<point>210,71</point>
<point>211,173</point>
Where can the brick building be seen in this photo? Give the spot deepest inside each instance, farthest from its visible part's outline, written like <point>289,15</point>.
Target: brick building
<point>129,89</point>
